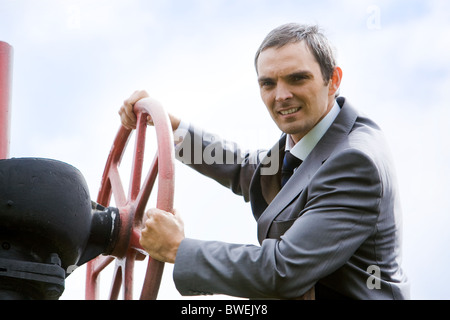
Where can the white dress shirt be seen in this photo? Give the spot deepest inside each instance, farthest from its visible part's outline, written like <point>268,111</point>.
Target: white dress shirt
<point>304,147</point>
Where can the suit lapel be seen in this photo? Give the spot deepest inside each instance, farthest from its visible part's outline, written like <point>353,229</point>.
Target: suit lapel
<point>338,131</point>
<point>264,187</point>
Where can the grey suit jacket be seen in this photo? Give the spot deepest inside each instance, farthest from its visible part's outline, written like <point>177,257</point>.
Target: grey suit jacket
<point>336,224</point>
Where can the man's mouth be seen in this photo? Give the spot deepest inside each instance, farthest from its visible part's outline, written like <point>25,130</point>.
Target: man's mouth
<point>289,111</point>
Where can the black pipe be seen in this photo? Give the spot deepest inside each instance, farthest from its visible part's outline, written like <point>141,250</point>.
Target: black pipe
<point>48,227</point>
<point>104,231</point>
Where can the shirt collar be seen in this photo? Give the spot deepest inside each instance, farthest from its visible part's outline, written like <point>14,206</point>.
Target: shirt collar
<point>304,147</point>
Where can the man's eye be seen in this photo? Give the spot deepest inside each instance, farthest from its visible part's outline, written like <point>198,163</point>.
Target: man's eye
<point>266,84</point>
<point>298,78</point>
<point>295,78</point>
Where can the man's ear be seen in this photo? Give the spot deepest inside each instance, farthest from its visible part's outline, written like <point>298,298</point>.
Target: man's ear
<point>335,81</point>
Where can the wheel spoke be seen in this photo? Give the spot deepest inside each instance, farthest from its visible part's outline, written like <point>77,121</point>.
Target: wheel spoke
<point>147,188</point>
<point>128,275</point>
<point>152,279</point>
<point>100,263</point>
<point>117,187</point>
<point>138,158</point>
<point>117,280</point>
<point>94,267</point>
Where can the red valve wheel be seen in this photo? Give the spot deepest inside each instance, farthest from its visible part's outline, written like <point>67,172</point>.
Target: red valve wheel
<point>131,207</point>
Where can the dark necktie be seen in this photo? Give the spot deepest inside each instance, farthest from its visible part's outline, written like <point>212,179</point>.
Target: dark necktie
<point>290,163</point>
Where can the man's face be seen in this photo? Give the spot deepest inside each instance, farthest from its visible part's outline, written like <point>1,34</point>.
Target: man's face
<point>293,89</point>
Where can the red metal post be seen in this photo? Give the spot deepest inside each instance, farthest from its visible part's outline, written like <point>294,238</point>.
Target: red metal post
<point>5,97</point>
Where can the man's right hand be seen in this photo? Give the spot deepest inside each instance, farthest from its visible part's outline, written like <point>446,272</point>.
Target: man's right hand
<point>128,118</point>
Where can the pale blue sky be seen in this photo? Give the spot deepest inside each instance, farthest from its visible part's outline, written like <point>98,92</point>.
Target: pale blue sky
<point>75,61</point>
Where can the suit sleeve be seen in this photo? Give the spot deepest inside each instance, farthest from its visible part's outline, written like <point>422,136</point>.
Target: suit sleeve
<point>341,212</point>
<point>218,159</point>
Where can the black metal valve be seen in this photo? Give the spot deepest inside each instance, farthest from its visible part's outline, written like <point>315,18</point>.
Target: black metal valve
<point>48,227</point>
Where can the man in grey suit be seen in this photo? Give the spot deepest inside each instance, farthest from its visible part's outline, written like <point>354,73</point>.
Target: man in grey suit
<point>331,224</point>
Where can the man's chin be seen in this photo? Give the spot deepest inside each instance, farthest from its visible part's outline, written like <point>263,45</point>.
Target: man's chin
<point>297,132</point>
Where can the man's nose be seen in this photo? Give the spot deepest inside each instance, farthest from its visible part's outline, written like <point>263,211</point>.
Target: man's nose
<point>282,92</point>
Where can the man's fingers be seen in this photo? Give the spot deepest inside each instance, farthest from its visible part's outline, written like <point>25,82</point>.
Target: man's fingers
<point>127,116</point>
<point>178,217</point>
<point>162,235</point>
<point>155,214</point>
<point>125,119</point>
<point>126,112</point>
<point>157,218</point>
